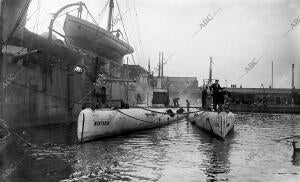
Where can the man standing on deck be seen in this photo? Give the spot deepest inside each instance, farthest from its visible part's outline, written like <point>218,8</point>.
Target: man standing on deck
<point>204,95</point>
<point>215,88</point>
<point>175,102</point>
<point>188,108</point>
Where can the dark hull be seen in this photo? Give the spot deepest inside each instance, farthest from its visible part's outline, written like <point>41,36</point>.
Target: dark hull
<point>42,89</point>
<point>38,82</point>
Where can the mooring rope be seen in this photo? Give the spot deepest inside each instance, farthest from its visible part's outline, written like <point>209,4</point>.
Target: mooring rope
<point>168,108</point>
<point>163,113</point>
<point>3,123</point>
<point>211,128</point>
<point>133,116</point>
<point>198,116</point>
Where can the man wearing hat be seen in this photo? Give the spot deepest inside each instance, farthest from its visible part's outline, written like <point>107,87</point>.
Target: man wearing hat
<point>215,88</point>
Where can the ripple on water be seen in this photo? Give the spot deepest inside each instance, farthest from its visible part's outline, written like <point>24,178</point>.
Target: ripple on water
<point>178,152</point>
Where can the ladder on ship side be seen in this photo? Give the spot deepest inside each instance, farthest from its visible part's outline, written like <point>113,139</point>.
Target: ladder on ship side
<point>88,91</point>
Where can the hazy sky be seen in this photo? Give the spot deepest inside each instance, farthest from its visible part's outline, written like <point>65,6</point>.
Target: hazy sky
<point>241,31</point>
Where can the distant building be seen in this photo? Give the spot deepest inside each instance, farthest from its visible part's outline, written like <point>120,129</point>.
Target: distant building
<point>278,96</point>
<point>277,100</point>
<point>185,88</point>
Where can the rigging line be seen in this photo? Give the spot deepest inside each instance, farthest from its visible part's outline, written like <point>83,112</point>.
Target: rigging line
<point>3,123</point>
<point>87,95</point>
<point>36,24</point>
<point>133,37</point>
<point>135,44</point>
<point>21,16</point>
<point>102,11</point>
<point>138,28</point>
<point>89,13</point>
<point>136,52</point>
<point>67,12</point>
<point>195,116</point>
<point>133,117</point>
<point>59,25</point>
<point>30,16</point>
<point>167,113</point>
<point>42,22</point>
<point>124,29</point>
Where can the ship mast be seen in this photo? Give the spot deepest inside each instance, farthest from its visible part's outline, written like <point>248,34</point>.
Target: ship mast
<point>111,7</point>
<point>293,84</point>
<point>162,65</point>
<point>210,71</point>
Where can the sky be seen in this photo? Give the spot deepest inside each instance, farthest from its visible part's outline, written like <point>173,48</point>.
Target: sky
<point>233,32</point>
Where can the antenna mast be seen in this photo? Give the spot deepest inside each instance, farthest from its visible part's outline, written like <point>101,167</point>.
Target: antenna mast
<point>111,7</point>
<point>293,85</point>
<point>272,86</point>
<point>162,64</point>
<point>210,70</point>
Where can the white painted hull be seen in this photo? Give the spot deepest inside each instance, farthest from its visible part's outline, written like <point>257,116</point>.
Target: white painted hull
<point>219,124</point>
<point>94,124</point>
<point>296,143</point>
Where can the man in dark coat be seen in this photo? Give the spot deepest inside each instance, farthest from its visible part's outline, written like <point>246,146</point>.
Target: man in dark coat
<point>215,88</point>
<point>175,101</point>
<point>204,95</point>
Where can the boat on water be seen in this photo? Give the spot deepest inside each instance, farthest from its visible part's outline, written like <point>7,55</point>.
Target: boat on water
<point>219,122</point>
<point>216,123</point>
<point>99,123</point>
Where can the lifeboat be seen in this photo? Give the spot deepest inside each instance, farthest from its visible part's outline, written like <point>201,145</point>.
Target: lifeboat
<point>87,36</point>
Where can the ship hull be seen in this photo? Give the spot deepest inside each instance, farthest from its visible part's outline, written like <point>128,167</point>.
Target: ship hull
<point>219,124</point>
<point>38,90</point>
<point>95,124</point>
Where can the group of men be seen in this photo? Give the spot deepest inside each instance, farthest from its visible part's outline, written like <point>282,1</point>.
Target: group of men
<point>215,88</point>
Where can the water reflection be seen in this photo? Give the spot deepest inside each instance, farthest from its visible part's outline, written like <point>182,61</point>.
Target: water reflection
<point>46,162</point>
<point>216,153</point>
<point>139,156</point>
<point>178,152</point>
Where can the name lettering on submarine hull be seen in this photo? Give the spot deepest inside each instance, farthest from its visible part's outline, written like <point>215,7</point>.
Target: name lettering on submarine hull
<point>101,123</point>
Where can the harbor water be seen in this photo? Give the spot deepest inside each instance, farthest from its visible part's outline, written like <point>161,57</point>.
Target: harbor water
<point>177,152</point>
